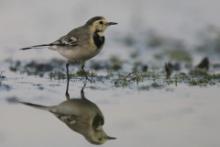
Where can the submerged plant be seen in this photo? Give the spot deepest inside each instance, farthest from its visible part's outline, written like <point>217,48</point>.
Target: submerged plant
<point>125,80</point>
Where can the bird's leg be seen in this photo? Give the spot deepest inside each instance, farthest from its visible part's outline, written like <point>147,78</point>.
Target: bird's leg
<point>82,91</point>
<point>82,67</point>
<point>67,84</point>
<point>83,71</point>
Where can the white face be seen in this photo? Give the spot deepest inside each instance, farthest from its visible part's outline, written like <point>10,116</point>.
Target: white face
<point>100,25</point>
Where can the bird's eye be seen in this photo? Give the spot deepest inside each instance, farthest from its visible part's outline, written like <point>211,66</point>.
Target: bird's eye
<point>100,139</point>
<point>101,22</point>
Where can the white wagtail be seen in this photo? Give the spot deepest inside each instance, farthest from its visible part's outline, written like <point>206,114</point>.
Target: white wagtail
<point>80,44</point>
<point>80,115</point>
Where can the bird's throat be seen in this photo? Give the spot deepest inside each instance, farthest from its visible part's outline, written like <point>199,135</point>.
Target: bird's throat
<point>99,39</point>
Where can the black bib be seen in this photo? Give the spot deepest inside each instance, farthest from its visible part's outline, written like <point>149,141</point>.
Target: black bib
<point>98,40</point>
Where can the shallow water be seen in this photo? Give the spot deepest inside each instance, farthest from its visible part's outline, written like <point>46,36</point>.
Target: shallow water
<point>138,114</point>
<point>175,116</point>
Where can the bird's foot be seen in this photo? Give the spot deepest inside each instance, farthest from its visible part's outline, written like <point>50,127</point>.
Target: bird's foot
<point>86,75</point>
<point>82,73</point>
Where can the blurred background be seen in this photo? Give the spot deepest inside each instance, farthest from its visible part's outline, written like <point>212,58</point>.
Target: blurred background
<point>150,22</point>
<point>153,112</point>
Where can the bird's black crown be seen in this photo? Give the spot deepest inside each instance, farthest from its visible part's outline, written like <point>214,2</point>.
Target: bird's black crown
<point>90,21</point>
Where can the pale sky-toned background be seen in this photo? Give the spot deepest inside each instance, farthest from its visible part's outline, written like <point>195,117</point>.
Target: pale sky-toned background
<point>29,21</point>
<point>186,117</point>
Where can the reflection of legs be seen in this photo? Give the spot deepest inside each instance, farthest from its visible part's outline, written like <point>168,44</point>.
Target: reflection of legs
<point>67,84</point>
<point>82,91</point>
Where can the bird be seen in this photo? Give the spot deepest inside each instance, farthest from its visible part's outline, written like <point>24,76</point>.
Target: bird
<point>80,44</point>
<point>79,114</point>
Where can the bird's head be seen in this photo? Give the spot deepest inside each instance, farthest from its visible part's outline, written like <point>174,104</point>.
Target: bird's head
<point>99,24</point>
<point>99,137</point>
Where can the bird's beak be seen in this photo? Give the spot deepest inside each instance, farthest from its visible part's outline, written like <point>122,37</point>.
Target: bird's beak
<point>110,138</point>
<point>111,23</point>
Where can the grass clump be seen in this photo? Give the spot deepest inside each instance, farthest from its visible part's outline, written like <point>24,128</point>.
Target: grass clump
<point>125,80</point>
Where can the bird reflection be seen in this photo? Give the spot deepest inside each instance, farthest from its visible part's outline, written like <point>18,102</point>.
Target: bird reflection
<point>80,115</point>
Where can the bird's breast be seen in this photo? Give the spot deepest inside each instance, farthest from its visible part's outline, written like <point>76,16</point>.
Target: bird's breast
<point>86,48</point>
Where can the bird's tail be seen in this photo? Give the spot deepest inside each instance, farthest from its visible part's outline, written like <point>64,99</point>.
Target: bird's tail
<point>35,46</point>
<point>15,100</point>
